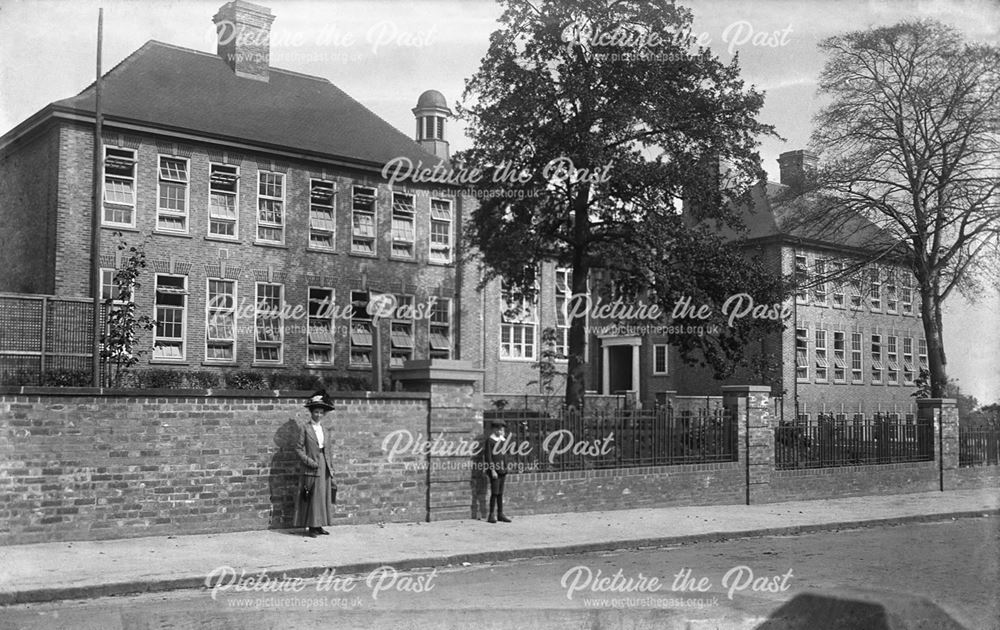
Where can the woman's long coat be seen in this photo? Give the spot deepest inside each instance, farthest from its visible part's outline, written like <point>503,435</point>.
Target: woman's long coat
<point>314,509</point>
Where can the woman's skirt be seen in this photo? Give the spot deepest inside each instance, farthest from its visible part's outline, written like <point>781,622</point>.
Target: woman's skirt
<point>317,510</point>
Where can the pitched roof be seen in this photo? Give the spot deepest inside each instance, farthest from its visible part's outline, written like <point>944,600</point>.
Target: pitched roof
<point>181,89</point>
<point>776,214</point>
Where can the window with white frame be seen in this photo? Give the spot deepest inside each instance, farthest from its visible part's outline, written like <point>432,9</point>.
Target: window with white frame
<point>220,326</point>
<point>517,326</point>
<point>403,235</point>
<point>322,214</point>
<point>891,298</point>
<point>855,285</point>
<point>363,211</point>
<point>440,325</point>
<point>223,200</point>
<point>270,337</point>
<point>109,288</point>
<point>839,357</point>
<point>119,187</point>
<point>820,356</point>
<point>319,343</point>
<point>875,289</point>
<point>172,193</point>
<point>877,367</point>
<point>171,315</point>
<point>837,269</point>
<point>401,332</point>
<point>857,358</point>
<point>908,371</point>
<point>819,291</point>
<point>361,330</point>
<point>892,360</point>
<point>922,354</point>
<point>441,227</point>
<point>801,354</point>
<point>660,359</point>
<point>801,279</point>
<point>270,207</point>
<point>906,291</point>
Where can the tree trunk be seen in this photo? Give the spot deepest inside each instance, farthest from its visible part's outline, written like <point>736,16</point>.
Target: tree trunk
<point>576,376</point>
<point>930,312</point>
<point>576,373</point>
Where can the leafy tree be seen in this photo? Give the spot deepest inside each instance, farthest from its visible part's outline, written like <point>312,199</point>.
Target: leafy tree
<point>118,353</point>
<point>595,119</point>
<point>910,141</point>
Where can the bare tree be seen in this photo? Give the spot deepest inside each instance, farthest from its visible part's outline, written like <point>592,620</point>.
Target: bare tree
<point>910,142</point>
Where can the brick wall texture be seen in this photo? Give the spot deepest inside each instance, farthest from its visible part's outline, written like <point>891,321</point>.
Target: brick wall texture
<point>84,466</point>
<point>28,190</point>
<point>93,467</point>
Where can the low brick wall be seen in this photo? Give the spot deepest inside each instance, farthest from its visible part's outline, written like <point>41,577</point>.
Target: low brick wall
<point>83,466</point>
<point>622,489</point>
<point>973,477</point>
<point>853,481</point>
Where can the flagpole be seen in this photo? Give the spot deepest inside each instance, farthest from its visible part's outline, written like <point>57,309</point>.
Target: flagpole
<point>95,229</point>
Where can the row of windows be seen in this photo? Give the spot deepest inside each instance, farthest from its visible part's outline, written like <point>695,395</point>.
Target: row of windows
<point>519,320</point>
<point>173,204</point>
<point>519,324</point>
<point>269,314</point>
<point>883,289</point>
<point>833,356</point>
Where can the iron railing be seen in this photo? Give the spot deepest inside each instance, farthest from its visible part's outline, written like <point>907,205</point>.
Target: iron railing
<point>832,442</point>
<point>619,438</point>
<point>979,445</point>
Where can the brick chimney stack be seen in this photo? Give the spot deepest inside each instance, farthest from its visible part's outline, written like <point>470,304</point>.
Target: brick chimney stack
<point>796,167</point>
<point>244,31</point>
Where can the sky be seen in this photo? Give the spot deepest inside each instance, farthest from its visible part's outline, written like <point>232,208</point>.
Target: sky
<point>385,53</point>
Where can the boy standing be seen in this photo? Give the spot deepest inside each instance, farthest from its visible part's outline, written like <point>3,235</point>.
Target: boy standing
<point>495,457</point>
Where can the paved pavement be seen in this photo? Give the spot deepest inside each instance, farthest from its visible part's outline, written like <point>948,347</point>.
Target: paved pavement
<point>64,570</point>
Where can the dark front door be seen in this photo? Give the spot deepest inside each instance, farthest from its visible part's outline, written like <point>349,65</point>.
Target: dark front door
<point>620,366</point>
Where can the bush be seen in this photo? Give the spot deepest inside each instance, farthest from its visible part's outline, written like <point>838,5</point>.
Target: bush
<point>246,379</point>
<point>202,379</point>
<point>160,379</point>
<point>67,378</point>
<point>301,381</point>
<point>350,383</point>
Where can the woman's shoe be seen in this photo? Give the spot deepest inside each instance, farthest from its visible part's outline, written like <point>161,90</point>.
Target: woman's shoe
<point>322,532</point>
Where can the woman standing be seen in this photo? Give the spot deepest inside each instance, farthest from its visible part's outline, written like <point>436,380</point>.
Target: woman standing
<point>317,491</point>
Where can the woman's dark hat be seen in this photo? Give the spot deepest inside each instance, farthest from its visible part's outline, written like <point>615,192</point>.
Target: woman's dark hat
<point>320,399</point>
<point>498,422</point>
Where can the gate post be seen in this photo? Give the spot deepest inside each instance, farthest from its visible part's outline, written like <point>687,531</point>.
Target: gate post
<point>454,420</point>
<point>750,406</point>
<point>943,414</point>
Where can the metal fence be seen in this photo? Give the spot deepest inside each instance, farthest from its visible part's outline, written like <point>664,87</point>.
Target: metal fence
<point>834,440</point>
<point>46,340</point>
<point>979,445</point>
<point>620,438</point>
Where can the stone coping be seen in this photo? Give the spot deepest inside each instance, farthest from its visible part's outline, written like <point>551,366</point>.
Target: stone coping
<point>30,390</point>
